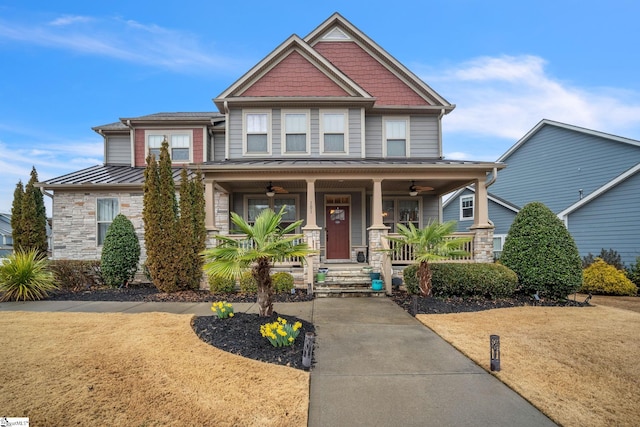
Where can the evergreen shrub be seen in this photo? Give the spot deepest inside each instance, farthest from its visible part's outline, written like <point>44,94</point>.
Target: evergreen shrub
<point>633,272</point>
<point>282,282</point>
<point>120,252</point>
<point>611,257</point>
<point>221,285</point>
<point>76,275</point>
<point>541,251</point>
<point>248,283</point>
<point>603,278</point>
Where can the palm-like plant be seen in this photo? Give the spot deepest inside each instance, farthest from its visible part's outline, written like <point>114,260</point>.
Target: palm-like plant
<point>24,276</point>
<point>431,243</point>
<point>265,244</point>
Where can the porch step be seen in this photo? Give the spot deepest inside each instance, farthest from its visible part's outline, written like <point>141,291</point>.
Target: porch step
<point>353,291</point>
<point>346,281</point>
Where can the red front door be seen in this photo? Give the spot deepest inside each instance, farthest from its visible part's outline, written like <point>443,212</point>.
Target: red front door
<point>337,232</point>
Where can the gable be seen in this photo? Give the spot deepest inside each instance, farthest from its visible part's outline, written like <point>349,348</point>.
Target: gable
<point>294,76</point>
<point>369,74</point>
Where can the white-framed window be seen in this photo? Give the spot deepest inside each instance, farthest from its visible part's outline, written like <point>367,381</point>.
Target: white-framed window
<point>179,144</point>
<point>295,132</point>
<point>400,210</point>
<point>498,244</point>
<point>396,137</point>
<point>257,132</point>
<point>334,130</point>
<point>106,210</point>
<point>466,208</point>
<point>256,204</point>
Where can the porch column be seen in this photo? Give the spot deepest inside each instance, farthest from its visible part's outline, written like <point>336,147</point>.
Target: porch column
<point>483,229</point>
<point>311,233</point>
<point>210,205</point>
<point>376,204</point>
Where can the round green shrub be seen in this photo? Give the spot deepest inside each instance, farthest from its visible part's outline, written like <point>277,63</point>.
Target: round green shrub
<point>603,278</point>
<point>248,282</point>
<point>541,251</point>
<point>221,285</point>
<point>282,282</point>
<point>120,252</point>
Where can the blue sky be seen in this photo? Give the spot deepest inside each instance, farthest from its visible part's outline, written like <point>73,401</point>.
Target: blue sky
<point>66,66</point>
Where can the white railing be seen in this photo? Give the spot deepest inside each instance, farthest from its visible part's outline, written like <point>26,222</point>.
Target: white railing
<point>404,254</point>
<point>246,243</point>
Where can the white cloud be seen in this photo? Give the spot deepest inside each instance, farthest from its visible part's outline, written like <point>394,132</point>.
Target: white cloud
<point>504,97</point>
<point>131,41</point>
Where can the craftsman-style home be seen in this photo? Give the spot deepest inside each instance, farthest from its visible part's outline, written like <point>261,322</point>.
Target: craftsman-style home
<point>330,125</point>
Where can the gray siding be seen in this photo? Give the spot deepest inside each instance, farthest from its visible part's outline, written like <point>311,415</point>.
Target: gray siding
<point>118,150</point>
<point>451,212</point>
<point>235,134</point>
<point>276,133</point>
<point>500,216</point>
<point>218,151</point>
<point>610,222</point>
<point>355,137</point>
<point>314,120</point>
<point>555,163</point>
<point>373,136</point>
<point>424,137</point>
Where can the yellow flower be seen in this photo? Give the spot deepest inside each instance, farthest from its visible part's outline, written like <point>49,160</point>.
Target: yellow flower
<point>291,339</point>
<point>231,314</point>
<point>297,326</point>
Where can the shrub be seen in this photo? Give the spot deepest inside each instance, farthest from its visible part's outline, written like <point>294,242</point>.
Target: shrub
<point>466,280</point>
<point>282,282</point>
<point>76,275</point>
<point>248,282</point>
<point>602,278</point>
<point>221,285</point>
<point>473,280</point>
<point>542,253</point>
<point>222,309</point>
<point>410,279</point>
<point>633,273</point>
<point>25,276</point>
<point>120,252</point>
<point>280,333</point>
<point>611,257</point>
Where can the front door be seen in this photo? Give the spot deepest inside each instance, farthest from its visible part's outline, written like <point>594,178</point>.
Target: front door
<point>337,232</point>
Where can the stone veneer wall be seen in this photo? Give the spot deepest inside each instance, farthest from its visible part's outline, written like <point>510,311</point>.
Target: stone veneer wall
<point>75,230</point>
<point>483,245</point>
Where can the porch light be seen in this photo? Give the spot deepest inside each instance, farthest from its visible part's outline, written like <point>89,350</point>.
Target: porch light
<point>413,190</point>
<point>270,190</point>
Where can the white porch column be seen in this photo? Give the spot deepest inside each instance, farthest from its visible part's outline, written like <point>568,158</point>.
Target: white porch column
<point>312,234</point>
<point>481,208</point>
<point>376,204</point>
<point>210,205</point>
<point>311,203</point>
<point>483,229</point>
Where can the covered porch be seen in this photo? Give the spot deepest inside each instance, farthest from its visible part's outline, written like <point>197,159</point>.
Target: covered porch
<point>348,207</point>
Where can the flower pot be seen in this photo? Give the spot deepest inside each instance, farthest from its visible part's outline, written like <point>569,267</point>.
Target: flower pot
<point>377,285</point>
<point>320,277</point>
<point>374,276</point>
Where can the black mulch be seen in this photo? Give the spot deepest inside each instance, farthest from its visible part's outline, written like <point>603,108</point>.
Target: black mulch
<point>241,333</point>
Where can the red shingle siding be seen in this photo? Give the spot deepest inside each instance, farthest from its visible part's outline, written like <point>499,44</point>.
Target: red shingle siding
<point>369,74</point>
<point>294,76</point>
<point>139,148</point>
<point>198,146</point>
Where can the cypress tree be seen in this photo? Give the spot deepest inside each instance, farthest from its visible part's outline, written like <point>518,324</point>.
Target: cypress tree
<point>199,230</point>
<point>16,216</point>
<point>34,218</point>
<point>192,232</point>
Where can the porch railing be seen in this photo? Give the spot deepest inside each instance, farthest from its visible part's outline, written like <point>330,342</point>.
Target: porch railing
<point>246,244</point>
<point>404,255</point>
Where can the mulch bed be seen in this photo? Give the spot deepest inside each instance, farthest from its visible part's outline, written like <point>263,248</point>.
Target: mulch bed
<point>241,334</point>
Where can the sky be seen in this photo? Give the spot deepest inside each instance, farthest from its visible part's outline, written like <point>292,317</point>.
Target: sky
<point>67,66</point>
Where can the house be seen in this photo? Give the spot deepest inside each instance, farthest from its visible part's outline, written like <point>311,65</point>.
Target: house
<point>590,179</point>
<point>6,238</point>
<point>330,125</point>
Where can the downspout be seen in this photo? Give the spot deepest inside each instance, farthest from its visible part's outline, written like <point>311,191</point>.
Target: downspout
<point>493,179</point>
<point>133,143</point>
<point>104,144</point>
<point>440,116</point>
<point>226,128</point>
<point>211,155</point>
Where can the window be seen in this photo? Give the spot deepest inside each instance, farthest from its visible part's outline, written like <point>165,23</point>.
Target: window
<point>179,144</point>
<point>400,211</point>
<point>257,204</point>
<point>256,133</point>
<point>466,208</point>
<point>296,131</point>
<point>333,132</point>
<point>395,137</point>
<point>106,211</point>
<point>498,243</point>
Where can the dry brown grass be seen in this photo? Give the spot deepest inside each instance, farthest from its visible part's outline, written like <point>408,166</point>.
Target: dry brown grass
<point>578,365</point>
<point>137,370</point>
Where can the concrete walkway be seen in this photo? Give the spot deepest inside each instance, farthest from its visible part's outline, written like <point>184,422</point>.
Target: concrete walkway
<point>375,365</point>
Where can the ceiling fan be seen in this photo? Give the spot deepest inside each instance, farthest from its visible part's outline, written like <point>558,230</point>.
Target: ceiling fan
<point>273,189</point>
<point>415,189</point>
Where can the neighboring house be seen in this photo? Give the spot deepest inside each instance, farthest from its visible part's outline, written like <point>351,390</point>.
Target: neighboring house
<point>590,179</point>
<point>6,239</point>
<point>329,125</point>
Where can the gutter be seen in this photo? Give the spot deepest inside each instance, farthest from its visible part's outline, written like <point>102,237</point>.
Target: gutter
<point>493,178</point>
